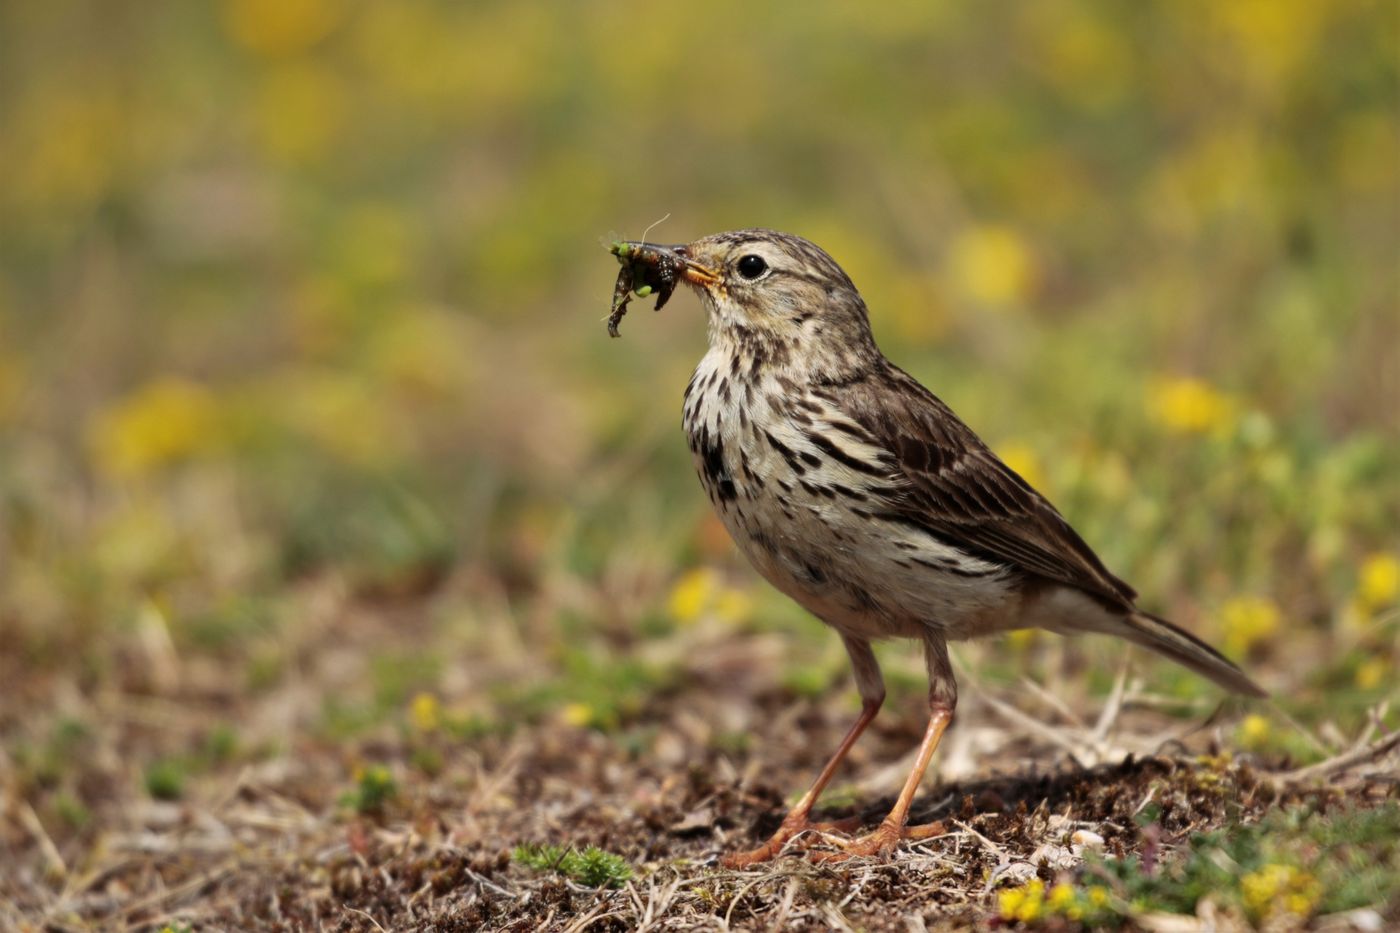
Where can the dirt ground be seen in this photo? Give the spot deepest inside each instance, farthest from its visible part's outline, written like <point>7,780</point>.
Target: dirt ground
<point>279,842</point>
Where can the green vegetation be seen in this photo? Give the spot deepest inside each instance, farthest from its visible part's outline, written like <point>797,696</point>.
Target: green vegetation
<point>1292,866</point>
<point>374,788</point>
<point>591,867</point>
<point>321,480</point>
<point>165,779</point>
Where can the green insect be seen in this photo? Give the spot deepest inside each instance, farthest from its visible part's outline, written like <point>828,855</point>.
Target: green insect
<point>645,271</point>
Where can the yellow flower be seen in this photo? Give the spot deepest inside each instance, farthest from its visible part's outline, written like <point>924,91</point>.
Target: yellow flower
<point>1023,459</point>
<point>1090,62</point>
<point>1022,638</point>
<point>733,606</point>
<point>1190,406</point>
<point>163,422</point>
<point>1025,904</point>
<point>1254,730</point>
<point>343,413</point>
<point>992,266</point>
<point>425,713</point>
<point>692,594</point>
<point>578,714</point>
<point>1063,900</point>
<point>298,111</point>
<point>1379,581</point>
<point>1279,886</point>
<point>1246,621</point>
<point>700,593</point>
<point>280,27</point>
<point>1372,673</point>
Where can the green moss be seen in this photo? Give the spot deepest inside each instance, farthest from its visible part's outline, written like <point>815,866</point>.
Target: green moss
<point>591,866</point>
<point>165,778</point>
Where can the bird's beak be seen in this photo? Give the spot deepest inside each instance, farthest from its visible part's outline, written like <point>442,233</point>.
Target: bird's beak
<point>676,257</point>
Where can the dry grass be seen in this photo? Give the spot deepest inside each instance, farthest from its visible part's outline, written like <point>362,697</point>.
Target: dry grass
<point>277,839</point>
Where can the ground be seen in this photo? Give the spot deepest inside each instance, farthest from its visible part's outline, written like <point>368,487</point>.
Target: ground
<point>428,821</point>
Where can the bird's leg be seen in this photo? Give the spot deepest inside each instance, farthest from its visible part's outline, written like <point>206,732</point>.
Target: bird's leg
<point>872,690</point>
<point>943,699</point>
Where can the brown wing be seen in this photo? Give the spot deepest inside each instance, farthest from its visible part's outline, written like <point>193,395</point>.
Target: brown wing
<point>957,490</point>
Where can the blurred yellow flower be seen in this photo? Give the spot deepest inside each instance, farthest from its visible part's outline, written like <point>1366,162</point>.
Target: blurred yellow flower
<point>280,27</point>
<point>163,422</point>
<point>692,594</point>
<point>70,146</point>
<point>1373,672</point>
<point>992,265</point>
<point>421,350</point>
<point>701,592</point>
<point>1190,406</point>
<point>1379,581</point>
<point>344,414</point>
<point>1217,174</point>
<point>1246,621</point>
<point>1254,731</point>
<point>425,713</point>
<point>1022,638</point>
<point>1024,460</point>
<point>1025,904</point>
<point>1272,38</point>
<point>733,605</point>
<point>298,111</point>
<point>577,714</point>
<point>1063,900</point>
<point>1086,59</point>
<point>374,244</point>
<point>1276,889</point>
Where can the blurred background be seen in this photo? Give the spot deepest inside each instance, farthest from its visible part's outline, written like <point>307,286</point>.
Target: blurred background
<point>310,427</point>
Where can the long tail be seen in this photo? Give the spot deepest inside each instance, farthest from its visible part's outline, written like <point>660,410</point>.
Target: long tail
<point>1186,649</point>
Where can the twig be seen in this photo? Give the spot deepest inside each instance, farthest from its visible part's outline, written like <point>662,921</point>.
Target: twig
<point>1050,699</point>
<point>1056,735</point>
<point>992,847</point>
<point>367,915</point>
<point>31,822</point>
<point>1338,764</point>
<point>1114,706</point>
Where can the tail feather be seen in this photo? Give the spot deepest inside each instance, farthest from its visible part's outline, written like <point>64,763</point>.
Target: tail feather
<point>1186,649</point>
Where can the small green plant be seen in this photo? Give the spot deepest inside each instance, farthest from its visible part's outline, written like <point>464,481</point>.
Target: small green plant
<point>165,779</point>
<point>71,810</point>
<point>591,867</point>
<point>374,787</point>
<point>1291,866</point>
<point>220,745</point>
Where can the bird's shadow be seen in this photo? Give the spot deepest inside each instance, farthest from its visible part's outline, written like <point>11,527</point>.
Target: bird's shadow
<point>1085,792</point>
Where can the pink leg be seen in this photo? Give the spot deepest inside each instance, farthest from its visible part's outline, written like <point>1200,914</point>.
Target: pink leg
<point>872,690</point>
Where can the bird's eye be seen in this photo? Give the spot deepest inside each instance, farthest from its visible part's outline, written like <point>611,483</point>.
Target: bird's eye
<point>751,266</point>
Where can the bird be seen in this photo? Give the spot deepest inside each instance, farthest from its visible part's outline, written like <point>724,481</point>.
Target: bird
<point>859,494</point>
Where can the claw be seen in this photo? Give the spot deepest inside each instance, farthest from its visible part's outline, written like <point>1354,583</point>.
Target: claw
<point>791,828</point>
<point>882,842</point>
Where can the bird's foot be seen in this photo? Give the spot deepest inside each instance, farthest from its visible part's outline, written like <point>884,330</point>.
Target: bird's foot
<point>793,826</point>
<point>882,842</point>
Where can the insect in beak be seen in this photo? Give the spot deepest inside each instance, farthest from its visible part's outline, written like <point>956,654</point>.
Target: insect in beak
<point>648,268</point>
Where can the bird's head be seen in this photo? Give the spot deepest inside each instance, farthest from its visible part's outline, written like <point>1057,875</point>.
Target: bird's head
<point>771,291</point>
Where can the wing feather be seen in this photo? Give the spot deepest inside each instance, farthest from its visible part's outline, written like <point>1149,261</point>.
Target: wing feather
<point>956,489</point>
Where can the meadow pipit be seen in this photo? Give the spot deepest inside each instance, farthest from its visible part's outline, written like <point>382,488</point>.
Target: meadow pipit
<point>858,493</point>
